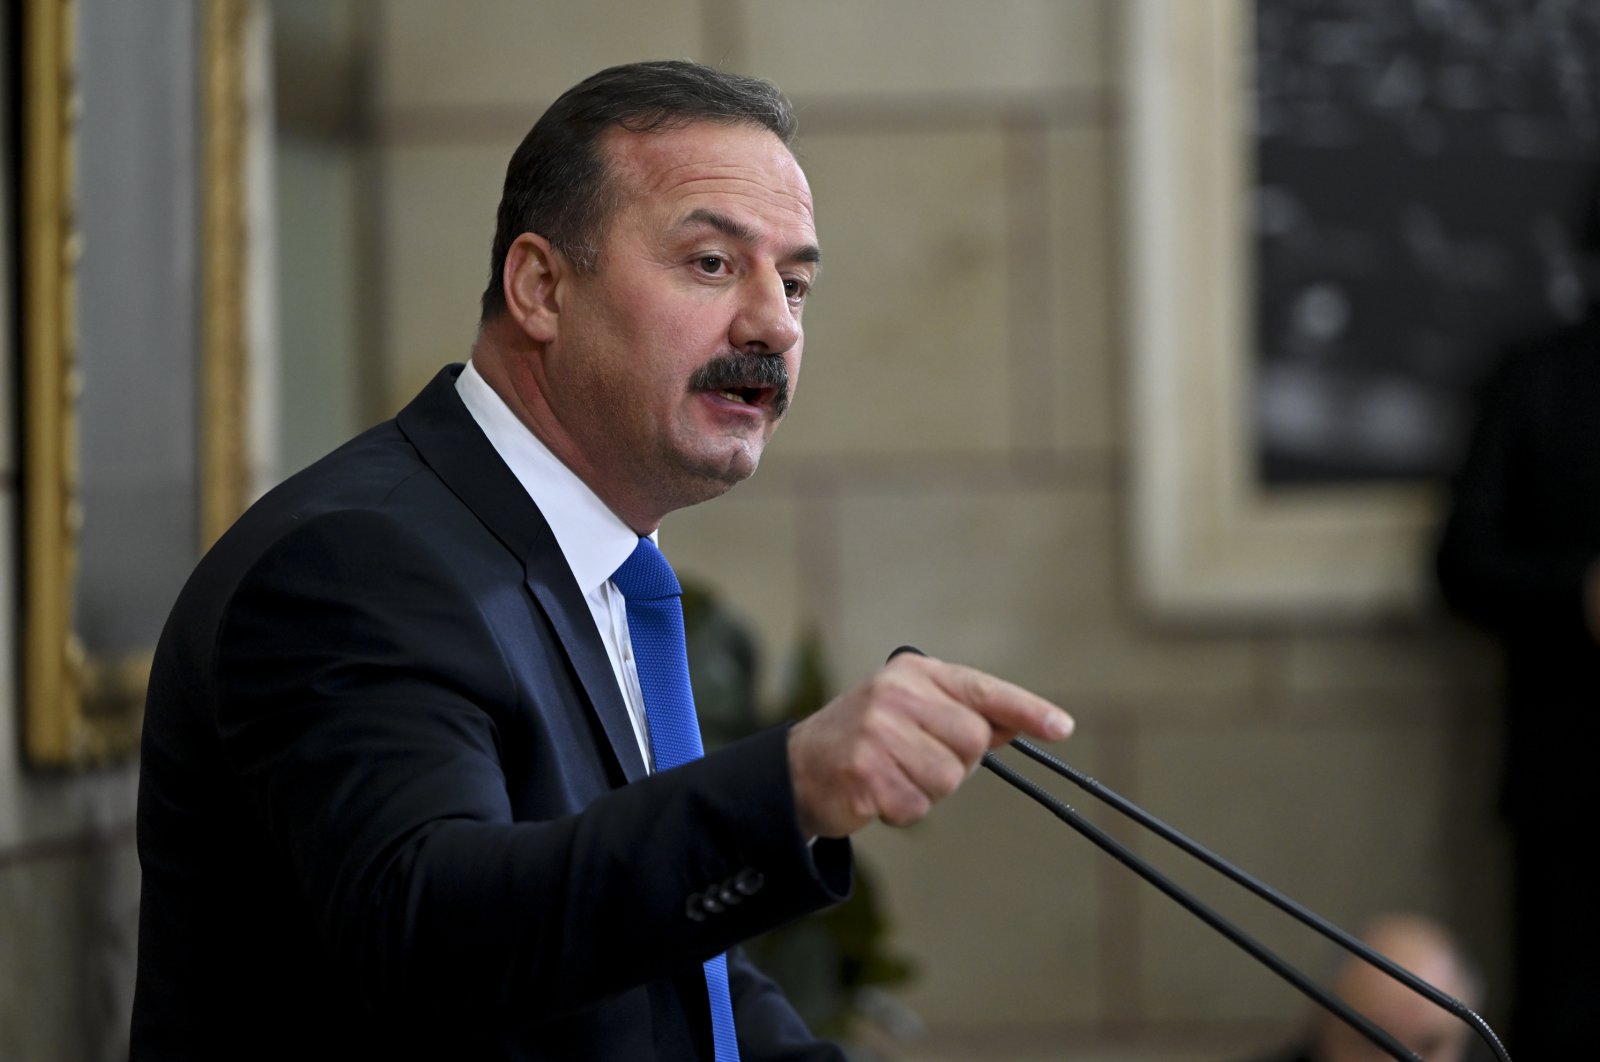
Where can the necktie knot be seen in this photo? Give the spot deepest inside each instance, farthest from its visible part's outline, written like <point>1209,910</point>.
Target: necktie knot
<point>646,575</point>
<point>654,604</point>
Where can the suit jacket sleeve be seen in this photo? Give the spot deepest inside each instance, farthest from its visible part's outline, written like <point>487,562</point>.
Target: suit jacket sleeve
<point>364,697</point>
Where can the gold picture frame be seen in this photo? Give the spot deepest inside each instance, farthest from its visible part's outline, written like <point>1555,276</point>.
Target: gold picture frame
<point>1211,544</point>
<point>83,708</point>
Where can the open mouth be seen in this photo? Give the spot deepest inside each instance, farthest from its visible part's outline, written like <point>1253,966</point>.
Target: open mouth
<point>750,396</point>
<point>758,381</point>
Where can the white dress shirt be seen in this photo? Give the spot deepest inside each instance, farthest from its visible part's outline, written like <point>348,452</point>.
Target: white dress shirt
<point>593,539</point>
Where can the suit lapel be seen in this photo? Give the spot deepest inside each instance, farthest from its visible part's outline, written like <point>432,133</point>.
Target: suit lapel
<point>552,585</point>
<point>449,441</point>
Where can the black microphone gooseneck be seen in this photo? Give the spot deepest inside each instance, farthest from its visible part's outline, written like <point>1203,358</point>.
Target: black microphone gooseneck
<point>1298,911</point>
<point>1066,813</point>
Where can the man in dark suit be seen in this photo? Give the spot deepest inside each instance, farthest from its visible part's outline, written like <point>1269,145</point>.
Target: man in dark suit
<point>1519,555</point>
<point>397,795</point>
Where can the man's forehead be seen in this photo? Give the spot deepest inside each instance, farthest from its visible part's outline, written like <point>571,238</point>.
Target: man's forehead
<point>704,156</point>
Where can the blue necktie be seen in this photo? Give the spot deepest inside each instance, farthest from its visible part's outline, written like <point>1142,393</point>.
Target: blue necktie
<point>655,627</point>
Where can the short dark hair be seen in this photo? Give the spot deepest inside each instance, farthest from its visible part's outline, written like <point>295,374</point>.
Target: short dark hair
<point>558,183</point>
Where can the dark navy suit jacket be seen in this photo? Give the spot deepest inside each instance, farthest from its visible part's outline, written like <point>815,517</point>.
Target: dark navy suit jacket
<point>391,804</point>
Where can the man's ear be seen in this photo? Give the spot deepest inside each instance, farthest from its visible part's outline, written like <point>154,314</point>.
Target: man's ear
<point>533,273</point>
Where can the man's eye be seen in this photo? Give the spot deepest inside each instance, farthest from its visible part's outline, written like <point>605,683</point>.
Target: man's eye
<point>795,289</point>
<point>712,264</point>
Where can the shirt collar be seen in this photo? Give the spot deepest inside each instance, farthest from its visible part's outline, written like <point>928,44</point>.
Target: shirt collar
<point>593,539</point>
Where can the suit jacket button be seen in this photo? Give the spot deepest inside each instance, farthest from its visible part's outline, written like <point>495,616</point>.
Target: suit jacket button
<point>749,881</point>
<point>692,909</point>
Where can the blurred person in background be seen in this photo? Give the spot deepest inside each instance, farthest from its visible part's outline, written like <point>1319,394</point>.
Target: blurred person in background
<point>1519,555</point>
<point>1428,951</point>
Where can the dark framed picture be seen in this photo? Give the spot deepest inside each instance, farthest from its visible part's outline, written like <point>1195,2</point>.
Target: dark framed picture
<point>1323,252</point>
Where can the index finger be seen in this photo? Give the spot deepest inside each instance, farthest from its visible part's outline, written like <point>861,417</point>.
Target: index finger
<point>1008,707</point>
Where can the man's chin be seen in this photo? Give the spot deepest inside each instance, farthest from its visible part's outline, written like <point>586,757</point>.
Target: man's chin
<point>739,466</point>
<point>731,466</point>
<point>707,466</point>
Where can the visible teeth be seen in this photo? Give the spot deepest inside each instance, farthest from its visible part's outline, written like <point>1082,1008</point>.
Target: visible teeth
<point>735,396</point>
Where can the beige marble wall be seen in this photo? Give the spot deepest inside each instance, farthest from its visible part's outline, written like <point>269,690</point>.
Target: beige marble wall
<point>954,474</point>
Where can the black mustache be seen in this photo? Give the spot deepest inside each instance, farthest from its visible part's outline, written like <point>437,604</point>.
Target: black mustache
<point>737,371</point>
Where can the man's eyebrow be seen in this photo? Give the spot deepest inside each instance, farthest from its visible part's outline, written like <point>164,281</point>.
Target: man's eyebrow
<point>738,230</point>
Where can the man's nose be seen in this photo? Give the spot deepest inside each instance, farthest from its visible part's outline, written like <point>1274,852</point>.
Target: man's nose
<point>766,322</point>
